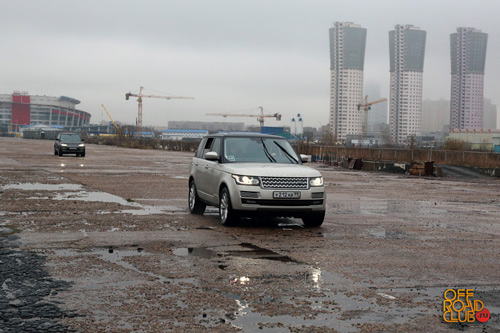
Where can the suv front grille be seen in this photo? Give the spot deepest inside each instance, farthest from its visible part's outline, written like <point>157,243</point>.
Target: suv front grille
<point>284,182</point>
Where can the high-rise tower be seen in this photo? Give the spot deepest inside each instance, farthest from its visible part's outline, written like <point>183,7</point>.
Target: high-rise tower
<point>347,58</point>
<point>407,50</point>
<point>468,56</point>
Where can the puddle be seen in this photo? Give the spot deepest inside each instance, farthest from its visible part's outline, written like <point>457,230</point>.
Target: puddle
<point>195,252</point>
<point>43,187</point>
<point>78,194</point>
<point>170,208</point>
<point>256,252</point>
<point>382,233</point>
<point>248,250</point>
<point>117,256</point>
<point>337,305</point>
<point>334,310</point>
<point>144,210</point>
<point>360,207</point>
<point>110,198</point>
<point>180,177</point>
<point>387,207</point>
<point>6,231</point>
<point>93,196</point>
<point>333,300</point>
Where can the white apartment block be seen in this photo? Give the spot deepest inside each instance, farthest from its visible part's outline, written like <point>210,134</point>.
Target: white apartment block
<point>407,49</point>
<point>405,105</point>
<point>347,52</point>
<point>468,55</point>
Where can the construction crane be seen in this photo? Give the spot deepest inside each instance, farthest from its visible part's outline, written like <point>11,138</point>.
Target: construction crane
<point>260,117</point>
<point>366,107</point>
<point>140,96</point>
<point>118,130</point>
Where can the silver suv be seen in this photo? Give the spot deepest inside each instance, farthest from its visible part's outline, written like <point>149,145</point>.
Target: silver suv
<point>254,174</point>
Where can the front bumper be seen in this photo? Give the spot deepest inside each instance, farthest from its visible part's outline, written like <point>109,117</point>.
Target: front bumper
<point>255,200</point>
<point>73,150</point>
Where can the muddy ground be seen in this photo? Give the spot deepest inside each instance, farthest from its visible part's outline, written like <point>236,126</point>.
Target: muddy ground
<point>106,243</point>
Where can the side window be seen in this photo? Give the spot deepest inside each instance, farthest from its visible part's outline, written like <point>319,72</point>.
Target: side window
<point>208,146</point>
<point>199,151</point>
<point>216,146</point>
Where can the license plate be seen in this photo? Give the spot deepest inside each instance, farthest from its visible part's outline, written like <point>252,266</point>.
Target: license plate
<point>286,195</point>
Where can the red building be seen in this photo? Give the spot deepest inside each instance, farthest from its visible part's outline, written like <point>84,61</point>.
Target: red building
<point>20,109</point>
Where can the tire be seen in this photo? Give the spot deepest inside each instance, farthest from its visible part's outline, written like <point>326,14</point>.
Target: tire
<point>59,153</point>
<point>55,152</point>
<point>227,216</point>
<point>194,202</point>
<point>314,220</point>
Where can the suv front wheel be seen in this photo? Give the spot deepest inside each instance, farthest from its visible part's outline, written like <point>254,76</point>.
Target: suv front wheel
<point>195,204</point>
<point>314,220</point>
<point>227,215</point>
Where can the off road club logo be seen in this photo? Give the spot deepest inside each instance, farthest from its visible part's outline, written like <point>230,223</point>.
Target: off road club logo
<point>459,305</point>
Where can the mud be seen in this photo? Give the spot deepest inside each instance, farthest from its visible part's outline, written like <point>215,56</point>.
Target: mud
<point>113,234</point>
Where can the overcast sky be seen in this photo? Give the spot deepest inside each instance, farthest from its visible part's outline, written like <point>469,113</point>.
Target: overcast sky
<point>231,56</point>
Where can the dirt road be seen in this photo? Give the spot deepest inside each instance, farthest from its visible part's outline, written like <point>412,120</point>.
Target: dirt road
<point>106,243</point>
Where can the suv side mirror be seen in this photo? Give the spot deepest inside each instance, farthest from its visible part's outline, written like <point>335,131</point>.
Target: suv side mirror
<point>304,158</point>
<point>212,156</point>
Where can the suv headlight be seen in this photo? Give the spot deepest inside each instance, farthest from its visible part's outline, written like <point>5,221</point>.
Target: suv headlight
<point>245,180</point>
<point>63,145</point>
<point>81,145</point>
<point>316,181</point>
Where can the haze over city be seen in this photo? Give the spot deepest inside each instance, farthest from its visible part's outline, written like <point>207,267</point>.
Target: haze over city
<point>230,56</point>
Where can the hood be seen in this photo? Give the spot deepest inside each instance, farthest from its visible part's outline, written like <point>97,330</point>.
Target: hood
<point>271,170</point>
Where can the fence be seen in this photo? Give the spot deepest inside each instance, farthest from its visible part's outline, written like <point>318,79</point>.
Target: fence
<point>450,157</point>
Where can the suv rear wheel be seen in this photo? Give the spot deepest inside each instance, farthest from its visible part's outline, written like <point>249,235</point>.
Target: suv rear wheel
<point>314,220</point>
<point>195,204</point>
<point>227,215</point>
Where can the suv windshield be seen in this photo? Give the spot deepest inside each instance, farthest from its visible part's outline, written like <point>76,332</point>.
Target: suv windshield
<point>261,150</point>
<point>70,138</point>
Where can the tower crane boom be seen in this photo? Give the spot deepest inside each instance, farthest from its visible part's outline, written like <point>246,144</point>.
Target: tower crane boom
<point>140,96</point>
<point>118,130</point>
<point>260,117</point>
<point>366,107</point>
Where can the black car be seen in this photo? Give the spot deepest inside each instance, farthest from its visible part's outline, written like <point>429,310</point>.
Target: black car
<point>69,143</point>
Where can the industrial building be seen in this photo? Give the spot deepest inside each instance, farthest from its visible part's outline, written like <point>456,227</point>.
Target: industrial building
<point>183,134</point>
<point>478,139</point>
<point>468,57</point>
<point>21,109</point>
<point>347,58</point>
<point>212,127</point>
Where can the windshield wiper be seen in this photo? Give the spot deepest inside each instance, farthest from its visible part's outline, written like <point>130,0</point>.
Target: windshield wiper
<point>267,152</point>
<point>287,154</point>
